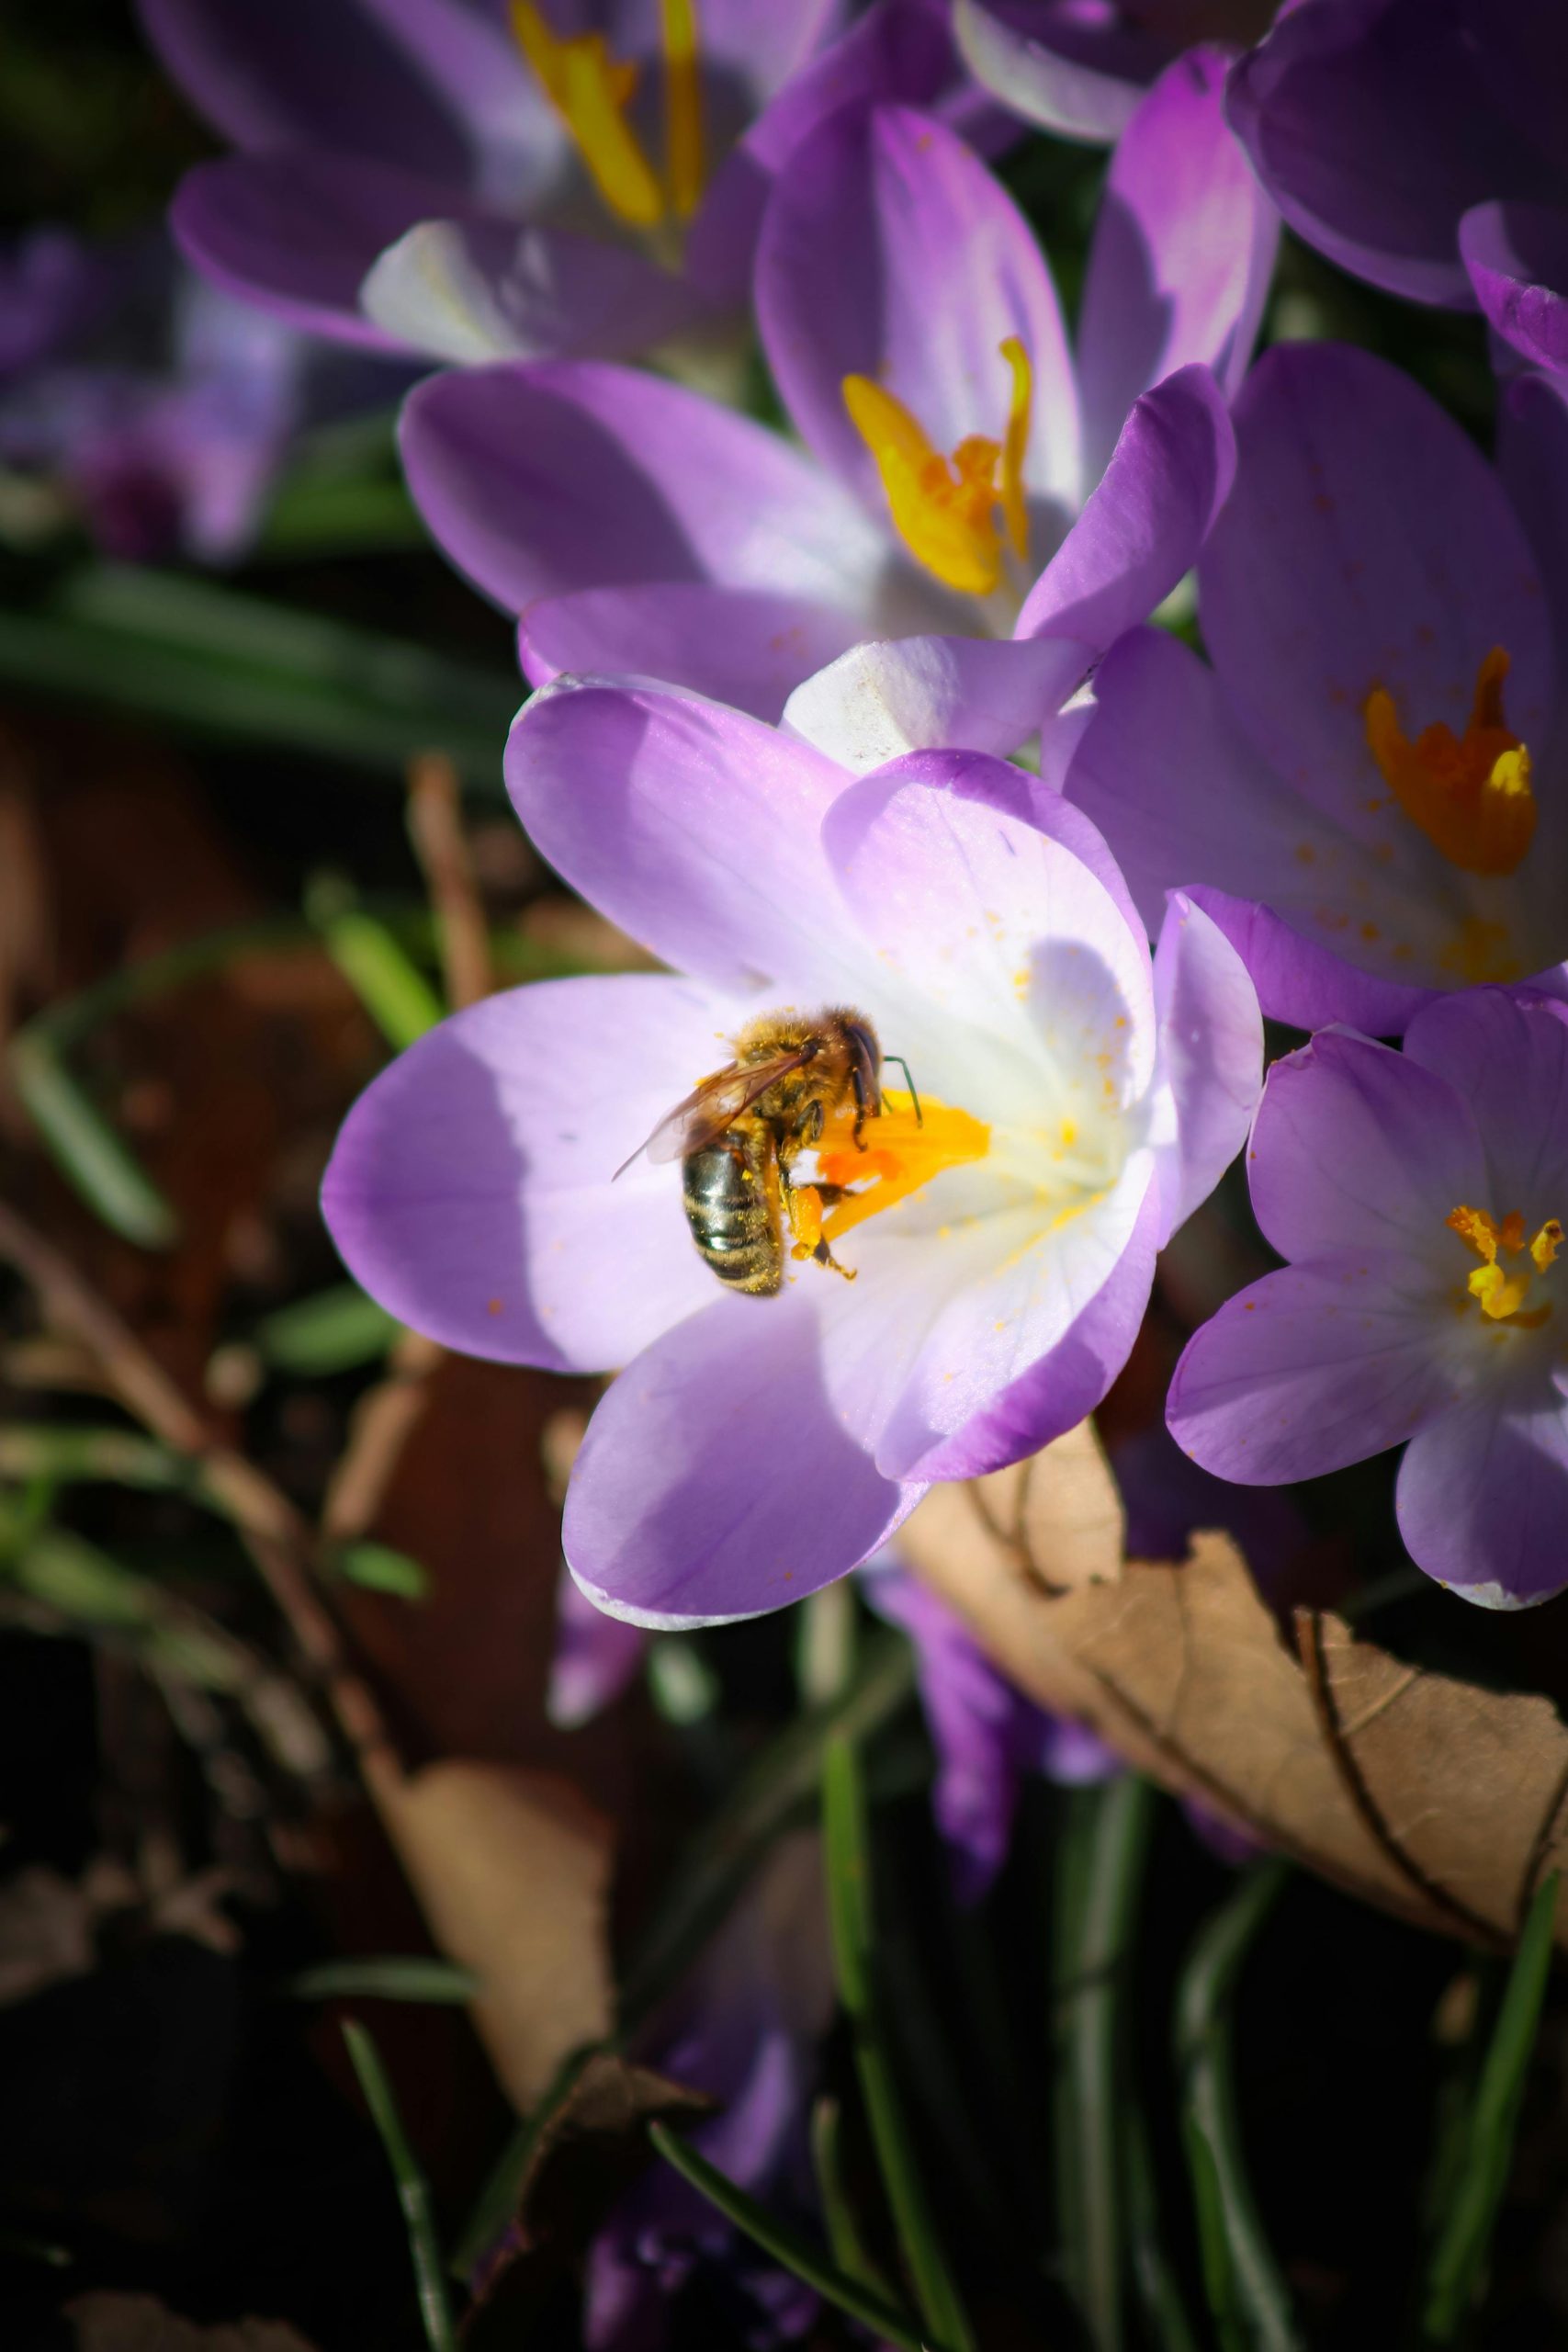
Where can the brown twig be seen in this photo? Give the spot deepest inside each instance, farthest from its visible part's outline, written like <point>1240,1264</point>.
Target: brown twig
<point>440,845</point>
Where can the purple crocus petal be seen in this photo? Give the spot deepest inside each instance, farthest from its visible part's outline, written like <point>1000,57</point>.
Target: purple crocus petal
<point>1210,1043</point>
<point>1356,1147</point>
<point>741,646</point>
<point>973,694</point>
<point>1302,981</point>
<point>1080,75</point>
<point>1532,457</point>
<point>888,250</point>
<point>1142,526</point>
<point>697,829</point>
<point>1505,1052</point>
<point>1518,259</point>
<point>1365,124</point>
<point>471,1191</point>
<point>1483,1498</point>
<point>1313,1367</point>
<point>434,86</point>
<point>686,1509</point>
<point>1367,542</point>
<point>596,1657</point>
<point>1182,255</point>
<point>297,229</point>
<point>470,290</point>
<point>539,480</point>
<point>1168,1498</point>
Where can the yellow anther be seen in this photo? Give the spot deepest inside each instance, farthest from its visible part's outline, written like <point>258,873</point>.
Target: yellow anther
<point>901,1153</point>
<point>1500,1290</point>
<point>944,509</point>
<point>592,91</point>
<point>1470,794</point>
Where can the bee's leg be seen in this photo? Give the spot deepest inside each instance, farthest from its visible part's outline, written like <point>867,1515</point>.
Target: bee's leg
<point>863,1108</point>
<point>804,1205</point>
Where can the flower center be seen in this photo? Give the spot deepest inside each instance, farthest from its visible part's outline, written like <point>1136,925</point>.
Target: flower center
<point>1470,793</point>
<point>591,91</point>
<point>902,1152</point>
<point>945,509</point>
<point>1502,1290</point>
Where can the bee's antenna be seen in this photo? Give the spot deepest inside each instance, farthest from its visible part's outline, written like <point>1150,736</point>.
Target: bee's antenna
<point>920,1119</point>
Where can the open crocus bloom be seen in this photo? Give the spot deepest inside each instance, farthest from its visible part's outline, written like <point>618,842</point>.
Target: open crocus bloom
<point>1075,1102</point>
<point>1419,144</point>
<point>1366,788</point>
<point>1079,67</point>
<point>1420,1197</point>
<point>473,177</point>
<point>915,335</point>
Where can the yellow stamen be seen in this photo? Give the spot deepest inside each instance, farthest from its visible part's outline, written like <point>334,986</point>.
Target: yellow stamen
<point>901,1154</point>
<point>590,90</point>
<point>1502,1293</point>
<point>1470,794</point>
<point>945,508</point>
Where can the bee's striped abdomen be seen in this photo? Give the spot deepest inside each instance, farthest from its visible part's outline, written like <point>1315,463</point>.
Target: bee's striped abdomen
<point>732,1208</point>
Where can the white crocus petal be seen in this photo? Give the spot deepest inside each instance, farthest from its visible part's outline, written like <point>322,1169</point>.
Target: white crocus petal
<point>882,699</point>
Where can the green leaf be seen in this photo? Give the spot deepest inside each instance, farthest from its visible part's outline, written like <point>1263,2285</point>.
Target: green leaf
<point>1458,2270</point>
<point>1248,2299</point>
<point>390,1979</point>
<point>84,1146</point>
<point>69,1454</point>
<point>794,2252</point>
<point>434,2309</point>
<point>381,1570</point>
<point>334,1330</point>
<point>848,1858</point>
<point>388,984</point>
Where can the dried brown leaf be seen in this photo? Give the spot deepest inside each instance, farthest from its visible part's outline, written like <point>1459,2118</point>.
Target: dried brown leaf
<point>111,2323</point>
<point>1441,1801</point>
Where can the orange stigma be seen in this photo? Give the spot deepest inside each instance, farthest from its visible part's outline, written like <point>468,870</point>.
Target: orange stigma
<point>1470,793</point>
<point>1502,1291</point>
<point>945,509</point>
<point>901,1153</point>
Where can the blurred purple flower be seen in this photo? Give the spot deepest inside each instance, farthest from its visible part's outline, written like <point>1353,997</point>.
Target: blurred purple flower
<point>1418,1197</point>
<point>469,178</point>
<point>1346,784</point>
<point>51,286</point>
<point>1079,67</point>
<point>914,333</point>
<point>595,1658</point>
<point>1076,1104</point>
<point>744,2029</point>
<point>1419,144</point>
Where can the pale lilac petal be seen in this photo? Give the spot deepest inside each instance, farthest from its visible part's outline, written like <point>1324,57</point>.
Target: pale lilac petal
<point>1506,1053</point>
<point>1518,259</point>
<point>1313,1367</point>
<point>972,694</point>
<point>596,1657</point>
<point>1299,980</point>
<point>697,829</point>
<point>297,228</point>
<point>471,1191</point>
<point>1211,1046</point>
<point>473,291</point>
<point>888,250</point>
<point>1357,1146</point>
<point>1532,457</point>
<point>1483,1500</point>
<point>1144,525</point>
<point>1365,542</point>
<point>741,646</point>
<point>1182,255</point>
<point>688,1505</point>
<point>1087,87</point>
<point>540,480</point>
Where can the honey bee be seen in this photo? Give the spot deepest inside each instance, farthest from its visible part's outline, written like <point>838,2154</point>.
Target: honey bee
<point>740,1131</point>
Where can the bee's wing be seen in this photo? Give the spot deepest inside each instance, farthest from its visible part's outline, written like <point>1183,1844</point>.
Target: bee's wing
<point>713,1105</point>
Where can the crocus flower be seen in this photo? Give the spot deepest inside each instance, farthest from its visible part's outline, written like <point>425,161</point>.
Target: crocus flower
<point>1419,144</point>
<point>914,333</point>
<point>1074,1104</point>
<point>470,177</point>
<point>1079,67</point>
<point>745,2029</point>
<point>1417,1198</point>
<point>1362,789</point>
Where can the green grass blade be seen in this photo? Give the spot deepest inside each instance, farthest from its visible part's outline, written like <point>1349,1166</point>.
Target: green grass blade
<point>1458,2270</point>
<point>1249,2301</point>
<point>794,2252</point>
<point>414,2194</point>
<point>1165,2314</point>
<point>496,2205</point>
<point>85,1148</point>
<point>334,1330</point>
<point>848,1860</point>
<point>388,984</point>
<point>69,1454</point>
<point>837,2207</point>
<point>393,1978</point>
<point>381,1570</point>
<point>1100,1879</point>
